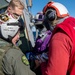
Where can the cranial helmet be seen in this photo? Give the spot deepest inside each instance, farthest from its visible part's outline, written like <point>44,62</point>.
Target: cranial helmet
<point>39,16</point>
<point>9,30</point>
<point>55,9</point>
<point>39,20</point>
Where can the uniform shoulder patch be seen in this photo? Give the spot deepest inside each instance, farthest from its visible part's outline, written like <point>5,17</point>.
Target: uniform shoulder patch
<point>25,60</point>
<point>4,17</point>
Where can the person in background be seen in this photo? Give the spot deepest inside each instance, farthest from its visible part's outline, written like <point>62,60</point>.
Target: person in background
<point>43,37</point>
<point>42,40</point>
<point>12,59</point>
<point>32,55</point>
<point>61,54</point>
<point>40,28</point>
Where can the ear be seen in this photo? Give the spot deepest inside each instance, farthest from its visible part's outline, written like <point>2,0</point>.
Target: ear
<point>50,14</point>
<point>9,8</point>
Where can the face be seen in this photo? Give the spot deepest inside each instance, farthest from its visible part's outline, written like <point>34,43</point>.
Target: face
<point>15,12</point>
<point>16,38</point>
<point>52,24</point>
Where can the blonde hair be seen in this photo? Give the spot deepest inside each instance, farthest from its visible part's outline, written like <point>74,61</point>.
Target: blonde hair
<point>16,3</point>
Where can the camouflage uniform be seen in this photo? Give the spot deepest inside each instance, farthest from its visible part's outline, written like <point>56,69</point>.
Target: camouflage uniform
<point>12,60</point>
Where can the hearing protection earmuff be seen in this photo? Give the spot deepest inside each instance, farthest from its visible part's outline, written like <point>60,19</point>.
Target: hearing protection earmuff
<point>50,14</point>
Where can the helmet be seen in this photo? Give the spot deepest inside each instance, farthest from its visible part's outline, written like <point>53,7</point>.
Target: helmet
<point>39,20</point>
<point>55,9</point>
<point>9,30</point>
<point>39,16</point>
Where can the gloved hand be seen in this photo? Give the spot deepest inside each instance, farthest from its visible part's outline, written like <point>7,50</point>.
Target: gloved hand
<point>42,57</point>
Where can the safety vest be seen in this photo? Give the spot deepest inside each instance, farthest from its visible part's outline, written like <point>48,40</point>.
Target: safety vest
<point>68,26</point>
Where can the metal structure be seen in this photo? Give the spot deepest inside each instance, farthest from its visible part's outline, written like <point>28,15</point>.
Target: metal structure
<point>3,4</point>
<point>27,21</point>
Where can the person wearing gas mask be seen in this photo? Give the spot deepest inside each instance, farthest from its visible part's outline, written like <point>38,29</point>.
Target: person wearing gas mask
<point>61,54</point>
<point>12,59</point>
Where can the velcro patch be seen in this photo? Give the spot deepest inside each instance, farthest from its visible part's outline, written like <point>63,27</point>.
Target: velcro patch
<point>4,17</point>
<point>25,60</point>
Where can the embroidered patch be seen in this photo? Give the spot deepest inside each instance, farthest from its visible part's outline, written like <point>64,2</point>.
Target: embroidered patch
<point>25,60</point>
<point>4,17</point>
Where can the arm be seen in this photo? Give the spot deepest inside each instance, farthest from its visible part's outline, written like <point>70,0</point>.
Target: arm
<point>7,65</point>
<point>59,50</point>
<point>14,64</point>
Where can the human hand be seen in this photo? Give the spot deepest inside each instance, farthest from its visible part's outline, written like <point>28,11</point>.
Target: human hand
<point>37,63</point>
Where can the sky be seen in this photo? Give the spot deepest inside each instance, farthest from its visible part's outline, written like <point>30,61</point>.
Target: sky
<point>37,5</point>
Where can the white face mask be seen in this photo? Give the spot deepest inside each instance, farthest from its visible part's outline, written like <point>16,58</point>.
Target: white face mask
<point>16,16</point>
<point>12,18</point>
